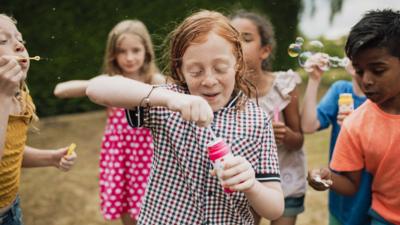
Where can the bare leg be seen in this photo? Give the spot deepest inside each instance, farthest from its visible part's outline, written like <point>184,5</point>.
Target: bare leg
<point>127,220</point>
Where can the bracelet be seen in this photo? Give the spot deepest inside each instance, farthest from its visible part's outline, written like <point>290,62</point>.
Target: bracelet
<point>146,100</point>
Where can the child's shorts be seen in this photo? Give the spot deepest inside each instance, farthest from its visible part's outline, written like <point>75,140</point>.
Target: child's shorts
<point>293,206</point>
<point>377,219</point>
<point>13,216</point>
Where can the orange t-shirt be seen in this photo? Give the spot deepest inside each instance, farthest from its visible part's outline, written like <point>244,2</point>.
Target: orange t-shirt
<point>370,138</point>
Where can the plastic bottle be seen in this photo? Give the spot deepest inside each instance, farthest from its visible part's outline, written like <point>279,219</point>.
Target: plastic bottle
<point>218,152</point>
<point>346,103</point>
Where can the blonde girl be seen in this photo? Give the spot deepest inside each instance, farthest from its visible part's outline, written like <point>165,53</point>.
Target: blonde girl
<point>126,152</point>
<point>16,113</point>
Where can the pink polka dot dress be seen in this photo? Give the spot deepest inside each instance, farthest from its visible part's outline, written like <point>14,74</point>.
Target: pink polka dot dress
<point>125,162</point>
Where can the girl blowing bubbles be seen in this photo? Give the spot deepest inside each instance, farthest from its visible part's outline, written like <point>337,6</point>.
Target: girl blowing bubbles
<point>126,152</point>
<point>16,112</point>
<point>206,63</point>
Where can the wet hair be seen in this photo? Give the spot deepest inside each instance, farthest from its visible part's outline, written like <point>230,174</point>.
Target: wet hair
<point>194,30</point>
<point>265,30</point>
<point>23,96</point>
<point>377,29</point>
<point>134,27</point>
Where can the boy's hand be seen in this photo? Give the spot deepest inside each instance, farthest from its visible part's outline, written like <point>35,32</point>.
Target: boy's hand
<point>10,76</point>
<point>341,117</point>
<point>62,160</point>
<point>280,131</point>
<point>192,108</point>
<point>238,174</point>
<point>320,179</point>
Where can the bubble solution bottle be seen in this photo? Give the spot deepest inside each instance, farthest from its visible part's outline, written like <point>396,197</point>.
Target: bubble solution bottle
<point>218,152</point>
<point>346,103</point>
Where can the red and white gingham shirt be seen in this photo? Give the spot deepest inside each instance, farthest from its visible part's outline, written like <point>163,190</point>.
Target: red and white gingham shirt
<point>180,188</point>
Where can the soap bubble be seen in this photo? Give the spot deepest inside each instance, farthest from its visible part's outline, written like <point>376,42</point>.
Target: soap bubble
<point>315,46</point>
<point>303,58</point>
<point>294,50</point>
<point>299,40</point>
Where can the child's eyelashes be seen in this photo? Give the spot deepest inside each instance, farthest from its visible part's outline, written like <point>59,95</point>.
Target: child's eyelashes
<point>246,37</point>
<point>195,73</point>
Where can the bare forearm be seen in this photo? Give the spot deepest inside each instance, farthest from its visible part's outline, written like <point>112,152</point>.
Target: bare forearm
<point>309,120</point>
<point>293,140</point>
<point>266,199</point>
<point>126,93</point>
<point>71,89</point>
<point>38,158</point>
<point>343,184</point>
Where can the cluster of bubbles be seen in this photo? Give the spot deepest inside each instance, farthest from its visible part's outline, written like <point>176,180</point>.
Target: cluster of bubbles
<point>296,50</point>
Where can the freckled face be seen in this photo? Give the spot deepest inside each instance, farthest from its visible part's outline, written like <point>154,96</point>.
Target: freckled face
<point>209,70</point>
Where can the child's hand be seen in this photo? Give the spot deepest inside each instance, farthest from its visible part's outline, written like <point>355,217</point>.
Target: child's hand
<point>315,65</point>
<point>238,174</point>
<point>341,117</point>
<point>63,161</point>
<point>280,131</point>
<point>192,108</point>
<point>320,179</point>
<point>10,76</point>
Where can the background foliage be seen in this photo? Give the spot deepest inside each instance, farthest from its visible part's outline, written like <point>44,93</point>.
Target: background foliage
<point>71,36</point>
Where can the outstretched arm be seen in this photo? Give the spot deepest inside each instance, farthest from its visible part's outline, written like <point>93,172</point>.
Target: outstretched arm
<point>345,183</point>
<point>43,158</point>
<point>127,93</point>
<point>71,89</point>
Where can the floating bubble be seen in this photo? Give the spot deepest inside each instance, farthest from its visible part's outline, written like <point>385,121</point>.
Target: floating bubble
<point>54,9</point>
<point>299,40</point>
<point>294,50</point>
<point>52,37</point>
<point>303,58</point>
<point>315,46</point>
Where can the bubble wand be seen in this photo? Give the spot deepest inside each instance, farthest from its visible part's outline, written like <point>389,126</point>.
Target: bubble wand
<point>276,113</point>
<point>36,58</point>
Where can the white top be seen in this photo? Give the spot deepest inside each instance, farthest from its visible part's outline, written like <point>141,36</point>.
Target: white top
<point>292,163</point>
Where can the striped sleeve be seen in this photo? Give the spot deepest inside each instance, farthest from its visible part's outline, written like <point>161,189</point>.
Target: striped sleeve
<point>268,169</point>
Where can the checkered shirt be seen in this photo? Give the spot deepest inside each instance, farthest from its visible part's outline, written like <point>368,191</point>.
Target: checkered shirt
<point>180,188</point>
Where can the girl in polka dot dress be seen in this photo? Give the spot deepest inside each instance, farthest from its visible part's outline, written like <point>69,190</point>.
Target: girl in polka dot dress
<point>126,152</point>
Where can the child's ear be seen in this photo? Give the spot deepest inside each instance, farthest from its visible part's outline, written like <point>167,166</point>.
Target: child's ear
<point>265,52</point>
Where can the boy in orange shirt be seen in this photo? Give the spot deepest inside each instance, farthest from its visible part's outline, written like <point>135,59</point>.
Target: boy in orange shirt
<point>370,136</point>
